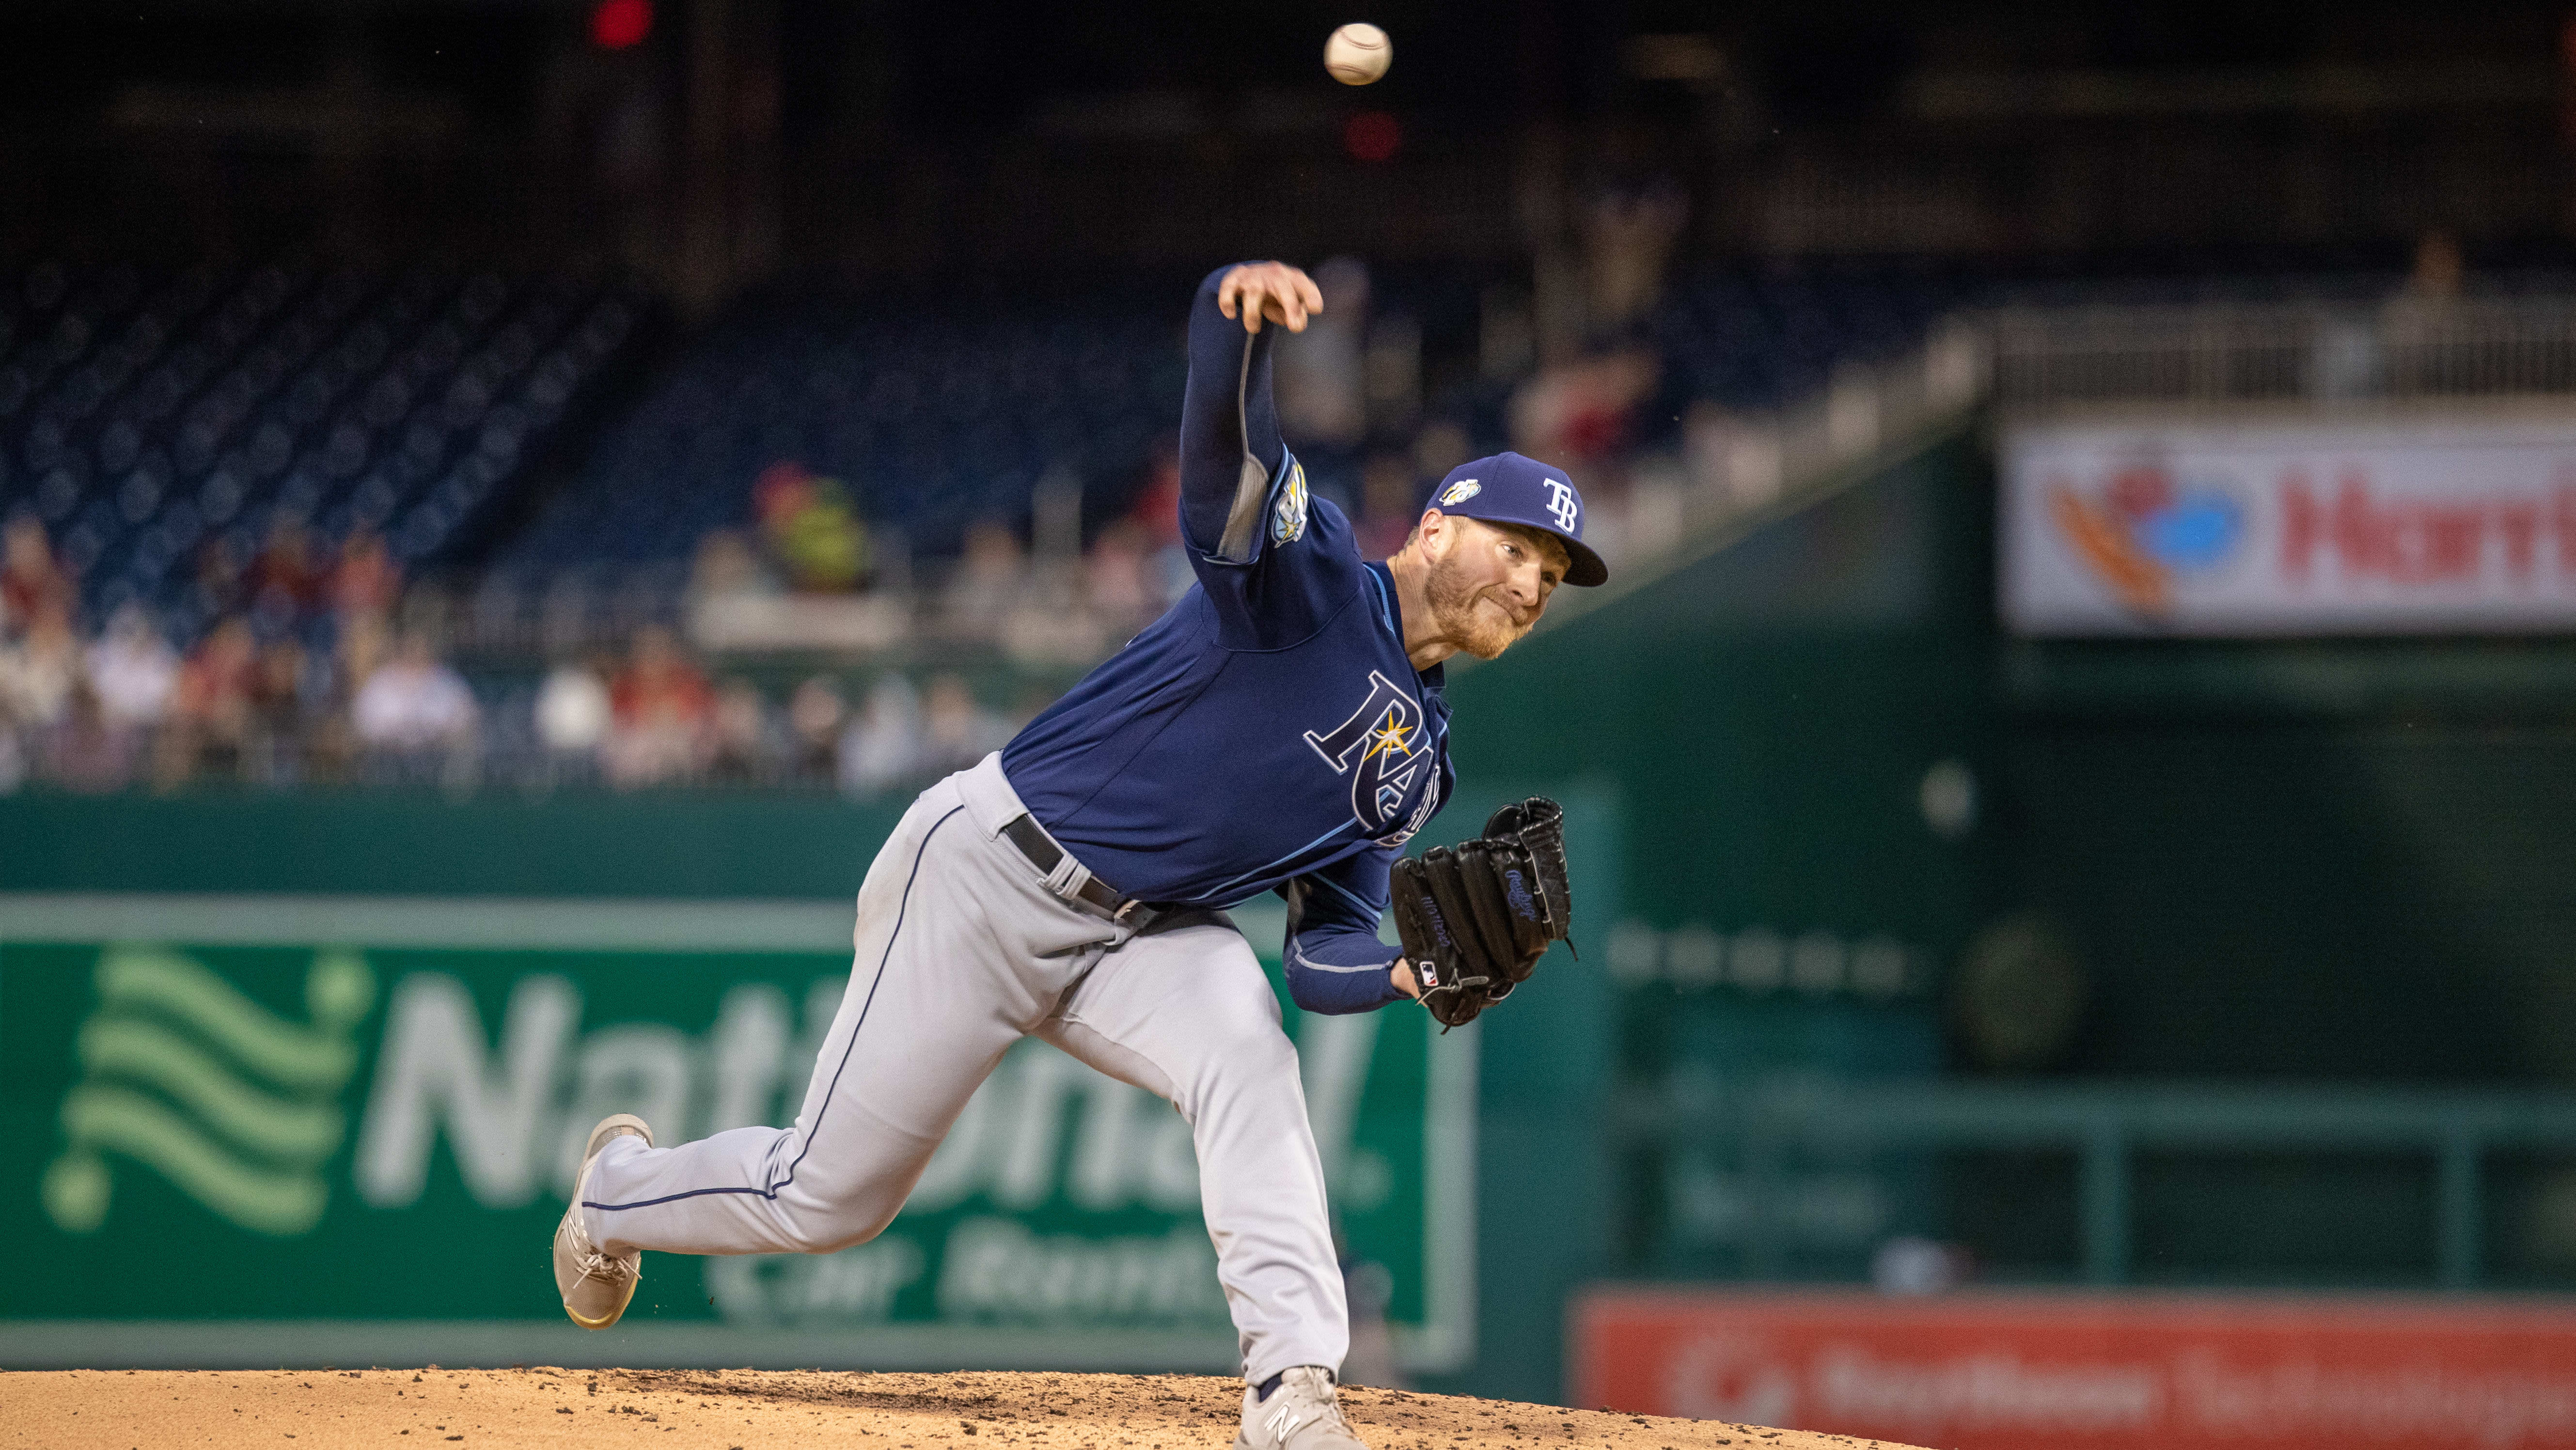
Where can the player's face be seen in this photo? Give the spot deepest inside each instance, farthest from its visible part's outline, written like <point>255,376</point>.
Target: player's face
<point>1492,583</point>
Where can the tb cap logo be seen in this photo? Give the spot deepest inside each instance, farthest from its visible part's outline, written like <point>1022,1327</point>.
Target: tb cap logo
<point>1561,503</point>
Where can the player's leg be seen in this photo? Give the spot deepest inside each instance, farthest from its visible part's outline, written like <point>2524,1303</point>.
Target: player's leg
<point>1185,1013</point>
<point>958,954</point>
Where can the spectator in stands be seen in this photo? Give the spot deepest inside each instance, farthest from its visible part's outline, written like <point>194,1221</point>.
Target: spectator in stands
<point>1580,412</point>
<point>1628,234</point>
<point>956,731</point>
<point>221,583</point>
<point>811,528</point>
<point>13,754</point>
<point>332,748</point>
<point>661,714</point>
<point>1320,374</point>
<point>2417,342</point>
<point>1119,582</point>
<point>366,580</point>
<point>988,583</point>
<point>882,747</point>
<point>743,752</point>
<point>573,717</point>
<point>38,670</point>
<point>278,717</point>
<point>287,584</point>
<point>1157,511</point>
<point>133,670</point>
<point>815,714</point>
<point>415,715</point>
<point>210,725</point>
<point>726,567</point>
<point>2441,272</point>
<point>1388,499</point>
<point>32,583</point>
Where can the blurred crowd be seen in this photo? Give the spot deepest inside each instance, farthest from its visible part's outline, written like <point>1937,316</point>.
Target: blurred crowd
<point>301,676</point>
<point>655,717</point>
<point>308,679</point>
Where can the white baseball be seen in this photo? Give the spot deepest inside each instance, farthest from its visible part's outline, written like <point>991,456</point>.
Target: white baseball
<point>1357,54</point>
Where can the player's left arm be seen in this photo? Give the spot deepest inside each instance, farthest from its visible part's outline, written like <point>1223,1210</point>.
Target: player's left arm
<point>1335,962</point>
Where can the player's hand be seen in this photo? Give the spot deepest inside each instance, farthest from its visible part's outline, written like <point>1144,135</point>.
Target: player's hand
<point>1272,290</point>
<point>1402,975</point>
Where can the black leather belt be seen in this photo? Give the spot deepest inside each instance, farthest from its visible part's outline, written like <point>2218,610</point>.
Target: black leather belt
<point>1046,855</point>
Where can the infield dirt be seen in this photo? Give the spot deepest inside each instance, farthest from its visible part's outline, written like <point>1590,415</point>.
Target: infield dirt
<point>764,1410</point>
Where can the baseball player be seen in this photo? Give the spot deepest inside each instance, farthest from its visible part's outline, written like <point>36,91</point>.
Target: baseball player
<point>1281,728</point>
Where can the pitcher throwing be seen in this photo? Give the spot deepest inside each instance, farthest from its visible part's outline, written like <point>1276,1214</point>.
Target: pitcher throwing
<point>1282,728</point>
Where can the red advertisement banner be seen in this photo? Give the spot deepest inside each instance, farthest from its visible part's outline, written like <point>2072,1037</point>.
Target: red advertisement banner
<point>2045,1371</point>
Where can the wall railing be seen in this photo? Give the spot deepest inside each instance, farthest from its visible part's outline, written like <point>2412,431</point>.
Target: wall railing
<point>1770,1125</point>
<point>2406,347</point>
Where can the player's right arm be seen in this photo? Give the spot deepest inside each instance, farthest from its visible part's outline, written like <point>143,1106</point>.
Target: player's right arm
<point>1276,562</point>
<point>1231,451</point>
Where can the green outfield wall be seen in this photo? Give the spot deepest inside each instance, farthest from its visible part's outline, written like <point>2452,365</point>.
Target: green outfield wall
<point>318,1056</point>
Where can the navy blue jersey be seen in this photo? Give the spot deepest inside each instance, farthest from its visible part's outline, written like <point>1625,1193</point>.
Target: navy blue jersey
<point>1268,733</point>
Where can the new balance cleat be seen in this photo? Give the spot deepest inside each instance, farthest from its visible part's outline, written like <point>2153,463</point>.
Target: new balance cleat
<point>596,1286</point>
<point>1303,1413</point>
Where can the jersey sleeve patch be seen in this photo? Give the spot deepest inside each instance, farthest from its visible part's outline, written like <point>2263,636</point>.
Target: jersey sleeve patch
<point>1288,509</point>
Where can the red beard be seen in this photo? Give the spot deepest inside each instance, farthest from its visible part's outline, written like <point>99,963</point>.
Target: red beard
<point>1454,610</point>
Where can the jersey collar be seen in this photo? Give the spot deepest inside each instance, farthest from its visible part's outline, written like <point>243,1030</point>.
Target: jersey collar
<point>1390,616</point>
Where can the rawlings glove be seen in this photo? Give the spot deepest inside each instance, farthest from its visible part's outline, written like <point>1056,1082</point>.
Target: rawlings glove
<point>1476,917</point>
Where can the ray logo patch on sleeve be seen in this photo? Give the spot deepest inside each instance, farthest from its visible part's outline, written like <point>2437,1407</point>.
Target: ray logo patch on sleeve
<point>1288,515</point>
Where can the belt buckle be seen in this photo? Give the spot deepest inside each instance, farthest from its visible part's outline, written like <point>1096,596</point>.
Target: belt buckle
<point>1119,917</point>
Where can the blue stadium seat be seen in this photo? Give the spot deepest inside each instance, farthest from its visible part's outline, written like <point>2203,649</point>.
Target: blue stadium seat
<point>136,418</point>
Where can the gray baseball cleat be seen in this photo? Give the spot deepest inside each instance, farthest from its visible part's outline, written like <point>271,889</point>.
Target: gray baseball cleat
<point>596,1286</point>
<point>1302,1414</point>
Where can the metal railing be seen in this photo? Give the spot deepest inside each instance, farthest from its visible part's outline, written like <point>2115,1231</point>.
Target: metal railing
<point>2404,348</point>
<point>1770,1124</point>
<point>1740,470</point>
<point>1040,616</point>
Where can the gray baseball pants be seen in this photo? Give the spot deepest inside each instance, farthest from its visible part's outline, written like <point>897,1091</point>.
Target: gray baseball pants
<point>963,949</point>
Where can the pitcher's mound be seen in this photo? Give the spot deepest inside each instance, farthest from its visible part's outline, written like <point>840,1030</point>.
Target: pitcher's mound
<point>758,1410</point>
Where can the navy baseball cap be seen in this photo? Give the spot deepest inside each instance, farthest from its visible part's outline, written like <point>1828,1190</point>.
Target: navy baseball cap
<point>1510,489</point>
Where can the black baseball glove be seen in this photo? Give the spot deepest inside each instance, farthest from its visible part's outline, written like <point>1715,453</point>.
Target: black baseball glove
<point>1477,916</point>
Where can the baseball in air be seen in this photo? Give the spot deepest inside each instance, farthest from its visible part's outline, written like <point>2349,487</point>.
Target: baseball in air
<point>1357,54</point>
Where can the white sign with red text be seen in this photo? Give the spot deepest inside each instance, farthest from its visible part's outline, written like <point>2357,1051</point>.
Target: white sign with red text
<point>2322,527</point>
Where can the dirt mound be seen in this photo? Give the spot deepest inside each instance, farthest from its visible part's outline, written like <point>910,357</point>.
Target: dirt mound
<point>755,1410</point>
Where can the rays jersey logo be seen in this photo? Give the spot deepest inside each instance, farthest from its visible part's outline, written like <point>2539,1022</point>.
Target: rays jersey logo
<point>1386,752</point>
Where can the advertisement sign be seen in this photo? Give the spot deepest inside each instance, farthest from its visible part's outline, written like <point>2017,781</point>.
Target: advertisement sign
<point>261,1130</point>
<point>2320,527</point>
<point>2090,1371</point>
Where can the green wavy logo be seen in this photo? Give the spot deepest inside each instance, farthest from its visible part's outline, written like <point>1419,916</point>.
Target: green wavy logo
<point>236,1105</point>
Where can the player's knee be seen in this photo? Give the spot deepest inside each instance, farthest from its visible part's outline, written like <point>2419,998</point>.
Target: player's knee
<point>815,1228</point>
